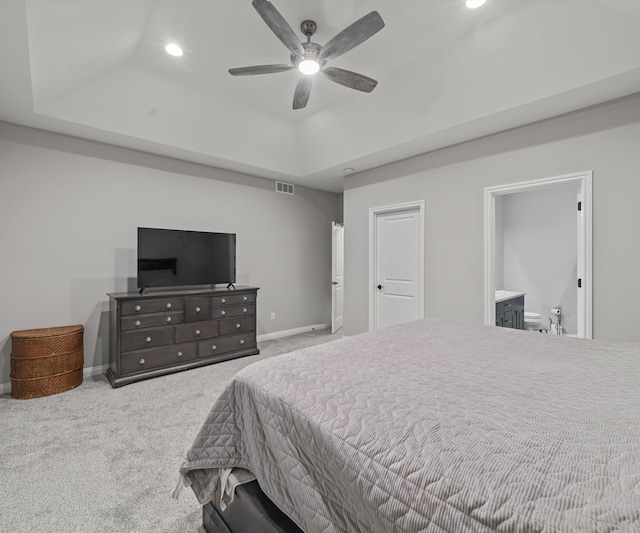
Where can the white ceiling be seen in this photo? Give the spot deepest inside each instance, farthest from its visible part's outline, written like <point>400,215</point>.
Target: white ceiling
<point>97,69</point>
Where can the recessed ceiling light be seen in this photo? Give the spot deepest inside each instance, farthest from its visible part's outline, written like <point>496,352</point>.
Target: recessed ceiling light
<point>173,49</point>
<point>474,4</point>
<point>348,170</point>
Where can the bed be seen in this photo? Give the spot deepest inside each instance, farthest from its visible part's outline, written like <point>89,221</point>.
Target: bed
<point>430,426</point>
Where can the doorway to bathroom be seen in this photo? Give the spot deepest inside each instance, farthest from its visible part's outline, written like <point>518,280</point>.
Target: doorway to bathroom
<point>538,241</point>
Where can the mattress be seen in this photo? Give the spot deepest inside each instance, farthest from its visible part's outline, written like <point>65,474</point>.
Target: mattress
<point>436,426</point>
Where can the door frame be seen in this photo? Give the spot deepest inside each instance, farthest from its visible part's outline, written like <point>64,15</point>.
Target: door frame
<point>374,212</point>
<point>334,226</point>
<point>583,180</point>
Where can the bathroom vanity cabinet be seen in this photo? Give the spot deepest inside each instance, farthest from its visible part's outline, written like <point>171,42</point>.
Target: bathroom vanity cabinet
<point>510,312</point>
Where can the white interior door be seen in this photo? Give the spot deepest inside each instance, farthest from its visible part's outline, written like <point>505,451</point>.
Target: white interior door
<point>337,277</point>
<point>398,263</point>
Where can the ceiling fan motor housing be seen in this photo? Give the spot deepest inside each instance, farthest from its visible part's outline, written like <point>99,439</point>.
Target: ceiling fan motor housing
<point>311,51</point>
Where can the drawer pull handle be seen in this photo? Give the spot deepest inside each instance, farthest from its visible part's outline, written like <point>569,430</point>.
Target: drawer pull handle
<point>148,339</point>
<point>222,300</point>
<point>237,326</point>
<point>244,309</point>
<point>213,347</point>
<point>241,341</point>
<point>169,305</point>
<point>168,319</point>
<point>137,323</point>
<point>244,298</point>
<point>223,312</point>
<point>142,361</point>
<point>197,309</point>
<point>137,308</point>
<point>197,332</point>
<point>179,354</point>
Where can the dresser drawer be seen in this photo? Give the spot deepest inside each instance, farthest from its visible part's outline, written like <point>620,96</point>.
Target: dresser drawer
<point>237,325</point>
<point>193,332</point>
<point>150,321</point>
<point>224,345</point>
<point>158,357</point>
<point>233,299</point>
<point>138,340</point>
<point>150,306</point>
<point>223,312</point>
<point>196,309</point>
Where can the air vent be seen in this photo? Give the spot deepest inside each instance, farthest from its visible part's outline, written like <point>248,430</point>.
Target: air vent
<point>284,188</point>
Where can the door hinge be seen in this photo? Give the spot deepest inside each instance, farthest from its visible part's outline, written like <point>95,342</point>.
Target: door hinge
<point>579,283</point>
<point>579,206</point>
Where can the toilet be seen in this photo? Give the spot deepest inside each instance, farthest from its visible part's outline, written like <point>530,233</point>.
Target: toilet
<point>532,321</point>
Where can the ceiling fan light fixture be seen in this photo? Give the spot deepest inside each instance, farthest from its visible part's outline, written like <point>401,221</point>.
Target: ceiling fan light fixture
<point>308,66</point>
<point>309,57</point>
<point>475,4</point>
<point>173,50</point>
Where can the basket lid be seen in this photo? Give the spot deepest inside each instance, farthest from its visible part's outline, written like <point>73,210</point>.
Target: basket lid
<point>46,332</point>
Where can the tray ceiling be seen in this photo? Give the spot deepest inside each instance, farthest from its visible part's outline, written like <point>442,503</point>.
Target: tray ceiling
<point>97,69</point>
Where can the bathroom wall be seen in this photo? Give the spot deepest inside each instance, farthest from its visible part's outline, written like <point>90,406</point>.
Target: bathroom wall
<point>539,230</point>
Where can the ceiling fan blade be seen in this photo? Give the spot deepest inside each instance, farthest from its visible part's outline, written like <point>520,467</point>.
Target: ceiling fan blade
<point>352,36</point>
<point>353,80</point>
<point>303,90</point>
<point>278,25</point>
<point>259,69</point>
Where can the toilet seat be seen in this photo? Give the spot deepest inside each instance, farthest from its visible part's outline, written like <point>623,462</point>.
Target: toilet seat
<point>532,321</point>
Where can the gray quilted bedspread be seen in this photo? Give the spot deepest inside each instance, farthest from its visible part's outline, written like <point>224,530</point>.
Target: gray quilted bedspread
<point>436,426</point>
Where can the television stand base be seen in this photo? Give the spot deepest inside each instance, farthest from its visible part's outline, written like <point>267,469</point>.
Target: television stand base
<point>231,286</point>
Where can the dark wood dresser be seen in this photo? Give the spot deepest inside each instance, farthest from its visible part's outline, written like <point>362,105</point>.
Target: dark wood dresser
<point>163,332</point>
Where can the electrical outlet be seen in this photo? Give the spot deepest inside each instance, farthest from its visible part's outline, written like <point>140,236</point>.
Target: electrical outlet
<point>273,316</point>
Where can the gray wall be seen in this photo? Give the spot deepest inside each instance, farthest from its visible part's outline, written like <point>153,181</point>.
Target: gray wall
<point>540,235</point>
<point>604,139</point>
<point>69,212</point>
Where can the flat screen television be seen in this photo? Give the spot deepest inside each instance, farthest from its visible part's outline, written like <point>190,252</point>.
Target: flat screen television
<point>168,258</point>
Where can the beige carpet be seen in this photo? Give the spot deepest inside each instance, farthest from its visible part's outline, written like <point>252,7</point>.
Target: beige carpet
<point>97,459</point>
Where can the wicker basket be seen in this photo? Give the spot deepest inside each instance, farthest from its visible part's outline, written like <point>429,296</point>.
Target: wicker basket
<point>46,361</point>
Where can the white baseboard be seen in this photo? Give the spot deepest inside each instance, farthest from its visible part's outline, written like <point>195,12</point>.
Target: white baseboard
<point>5,388</point>
<point>289,332</point>
<point>95,371</point>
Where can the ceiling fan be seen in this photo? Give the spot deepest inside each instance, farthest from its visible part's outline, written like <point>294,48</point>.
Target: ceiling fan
<point>309,57</point>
